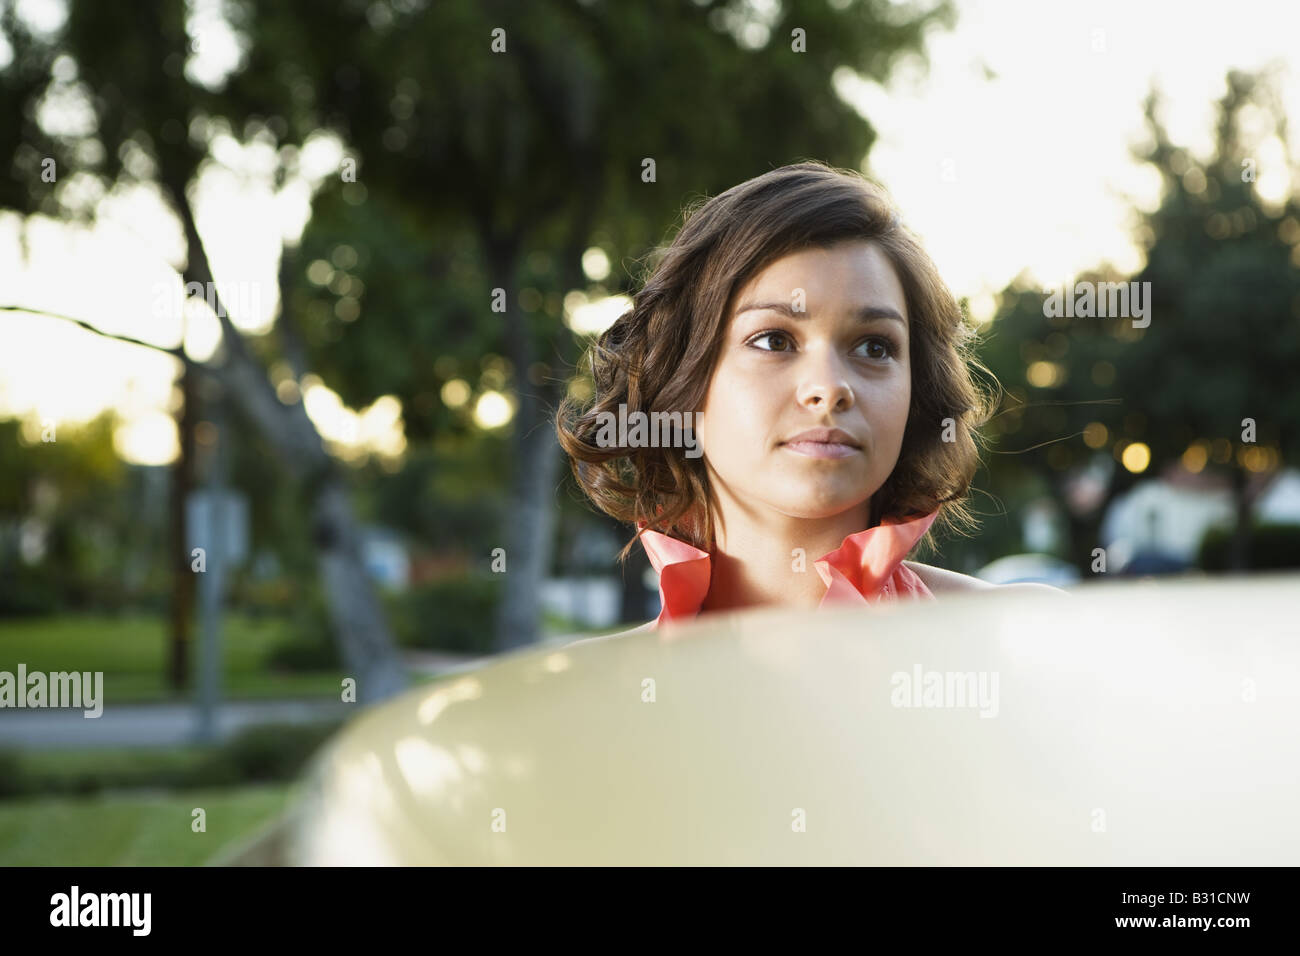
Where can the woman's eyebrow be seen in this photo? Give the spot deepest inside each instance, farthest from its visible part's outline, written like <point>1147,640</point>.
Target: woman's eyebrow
<point>867,313</point>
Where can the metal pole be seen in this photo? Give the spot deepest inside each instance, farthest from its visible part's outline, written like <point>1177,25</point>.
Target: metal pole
<point>212,584</point>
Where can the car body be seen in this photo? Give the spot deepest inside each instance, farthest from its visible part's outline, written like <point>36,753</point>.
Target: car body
<point>1139,723</point>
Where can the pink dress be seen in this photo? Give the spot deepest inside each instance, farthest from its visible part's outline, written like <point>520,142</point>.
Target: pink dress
<point>865,569</point>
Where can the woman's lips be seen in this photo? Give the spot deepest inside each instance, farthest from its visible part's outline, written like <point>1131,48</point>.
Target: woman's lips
<point>821,449</point>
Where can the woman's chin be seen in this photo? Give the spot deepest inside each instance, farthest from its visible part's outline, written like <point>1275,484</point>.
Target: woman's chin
<point>816,504</point>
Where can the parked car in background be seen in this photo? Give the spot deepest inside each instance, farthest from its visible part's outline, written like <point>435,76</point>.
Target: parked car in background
<point>1029,568</point>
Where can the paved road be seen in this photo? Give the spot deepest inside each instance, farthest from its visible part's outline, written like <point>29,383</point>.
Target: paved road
<point>171,724</point>
<point>153,725</point>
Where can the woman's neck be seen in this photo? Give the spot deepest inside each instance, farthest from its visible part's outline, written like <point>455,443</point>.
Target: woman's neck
<point>755,561</point>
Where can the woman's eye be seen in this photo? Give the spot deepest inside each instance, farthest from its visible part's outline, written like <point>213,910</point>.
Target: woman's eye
<point>778,336</point>
<point>878,348</point>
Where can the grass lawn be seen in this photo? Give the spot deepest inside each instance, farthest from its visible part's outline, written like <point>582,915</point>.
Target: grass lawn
<point>132,828</point>
<point>132,653</point>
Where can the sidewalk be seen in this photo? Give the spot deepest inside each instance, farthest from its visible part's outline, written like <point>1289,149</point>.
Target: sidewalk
<point>154,725</point>
<point>176,724</point>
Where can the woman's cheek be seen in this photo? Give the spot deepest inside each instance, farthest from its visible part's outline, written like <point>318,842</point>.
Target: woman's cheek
<point>886,395</point>
<point>898,419</point>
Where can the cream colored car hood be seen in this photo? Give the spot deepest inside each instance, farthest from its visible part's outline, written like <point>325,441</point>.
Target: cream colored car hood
<point>1127,724</point>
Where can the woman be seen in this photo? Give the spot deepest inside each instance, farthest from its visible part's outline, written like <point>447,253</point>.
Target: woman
<point>825,367</point>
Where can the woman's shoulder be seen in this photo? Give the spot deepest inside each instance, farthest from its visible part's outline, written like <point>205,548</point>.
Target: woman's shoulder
<point>939,579</point>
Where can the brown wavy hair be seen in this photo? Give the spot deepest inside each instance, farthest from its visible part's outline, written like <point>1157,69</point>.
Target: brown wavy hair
<point>659,356</point>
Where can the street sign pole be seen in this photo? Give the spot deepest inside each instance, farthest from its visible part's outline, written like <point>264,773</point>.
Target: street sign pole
<point>211,534</point>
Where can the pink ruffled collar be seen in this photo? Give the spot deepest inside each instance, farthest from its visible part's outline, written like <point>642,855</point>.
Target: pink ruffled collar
<point>865,569</point>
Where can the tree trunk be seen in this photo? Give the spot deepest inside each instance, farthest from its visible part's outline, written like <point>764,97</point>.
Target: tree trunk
<point>364,639</point>
<point>1239,544</point>
<point>1085,529</point>
<point>536,450</point>
<point>532,508</point>
<point>355,612</point>
<point>531,531</point>
<point>1085,536</point>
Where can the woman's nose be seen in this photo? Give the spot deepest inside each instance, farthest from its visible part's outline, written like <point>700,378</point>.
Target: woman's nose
<point>824,386</point>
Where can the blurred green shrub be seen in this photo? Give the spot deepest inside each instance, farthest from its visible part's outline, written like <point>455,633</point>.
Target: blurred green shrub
<point>27,590</point>
<point>271,752</point>
<point>453,614</point>
<point>305,654</point>
<point>10,774</point>
<point>1272,547</point>
<point>310,646</point>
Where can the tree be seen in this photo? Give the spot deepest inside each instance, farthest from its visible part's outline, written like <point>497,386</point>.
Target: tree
<point>129,77</point>
<point>1215,373</point>
<point>1063,423</point>
<point>1220,346</point>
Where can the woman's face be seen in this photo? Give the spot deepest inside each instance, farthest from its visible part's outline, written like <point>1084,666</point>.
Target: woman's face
<point>817,340</point>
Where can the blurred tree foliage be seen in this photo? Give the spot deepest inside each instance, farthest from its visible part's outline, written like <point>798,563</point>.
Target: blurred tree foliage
<point>69,535</point>
<point>1223,343</point>
<point>493,145</point>
<point>142,117</point>
<point>477,169</point>
<point>1274,547</point>
<point>1224,266</point>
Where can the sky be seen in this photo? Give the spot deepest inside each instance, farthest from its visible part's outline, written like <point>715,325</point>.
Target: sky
<point>1010,154</point>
